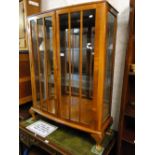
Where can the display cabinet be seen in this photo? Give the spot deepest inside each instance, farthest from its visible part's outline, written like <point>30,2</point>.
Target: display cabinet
<point>72,62</point>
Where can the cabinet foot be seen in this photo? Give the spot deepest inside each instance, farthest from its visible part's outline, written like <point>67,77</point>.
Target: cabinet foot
<point>98,138</point>
<point>98,147</point>
<point>32,114</point>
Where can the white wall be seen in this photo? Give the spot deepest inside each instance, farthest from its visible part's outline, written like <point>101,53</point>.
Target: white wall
<point>121,43</point>
<point>48,4</point>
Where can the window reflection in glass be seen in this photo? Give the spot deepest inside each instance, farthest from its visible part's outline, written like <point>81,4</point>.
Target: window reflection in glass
<point>75,52</point>
<point>88,53</point>
<point>75,60</point>
<point>49,47</point>
<point>50,64</point>
<point>41,47</point>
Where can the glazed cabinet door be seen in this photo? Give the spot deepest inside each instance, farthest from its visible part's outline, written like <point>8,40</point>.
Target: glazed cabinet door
<point>75,44</point>
<point>42,29</point>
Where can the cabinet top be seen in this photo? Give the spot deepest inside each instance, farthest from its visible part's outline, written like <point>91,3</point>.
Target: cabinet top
<point>78,5</point>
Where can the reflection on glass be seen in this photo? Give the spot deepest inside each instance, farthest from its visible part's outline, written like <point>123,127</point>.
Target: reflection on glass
<point>64,53</point>
<point>41,47</point>
<point>75,51</point>
<point>50,63</point>
<point>65,100</point>
<point>35,59</point>
<point>88,35</point>
<point>75,55</point>
<point>49,47</point>
<point>109,65</point>
<point>88,53</point>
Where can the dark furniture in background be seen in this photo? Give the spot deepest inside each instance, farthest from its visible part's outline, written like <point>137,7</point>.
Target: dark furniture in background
<point>126,139</point>
<point>25,94</point>
<point>24,111</point>
<point>26,8</point>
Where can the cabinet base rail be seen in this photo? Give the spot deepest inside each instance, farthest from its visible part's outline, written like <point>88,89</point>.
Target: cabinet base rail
<point>96,135</point>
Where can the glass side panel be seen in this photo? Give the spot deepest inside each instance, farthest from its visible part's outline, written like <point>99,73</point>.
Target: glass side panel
<point>109,66</point>
<point>64,62</point>
<point>88,53</point>
<point>75,57</point>
<point>41,48</point>
<point>35,59</point>
<point>50,63</point>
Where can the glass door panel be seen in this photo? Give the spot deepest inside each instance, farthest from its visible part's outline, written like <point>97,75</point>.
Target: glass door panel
<point>75,57</point>
<point>88,36</point>
<point>50,65</point>
<point>35,59</point>
<point>76,78</point>
<point>109,66</point>
<point>88,53</point>
<point>41,50</point>
<point>64,62</point>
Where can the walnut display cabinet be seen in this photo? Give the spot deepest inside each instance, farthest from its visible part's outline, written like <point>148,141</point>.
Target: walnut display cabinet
<point>72,62</point>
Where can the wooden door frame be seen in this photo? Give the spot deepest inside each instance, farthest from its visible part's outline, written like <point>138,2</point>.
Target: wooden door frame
<point>35,18</point>
<point>79,9</point>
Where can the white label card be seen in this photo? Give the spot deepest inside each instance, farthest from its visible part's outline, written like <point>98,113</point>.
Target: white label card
<point>41,128</point>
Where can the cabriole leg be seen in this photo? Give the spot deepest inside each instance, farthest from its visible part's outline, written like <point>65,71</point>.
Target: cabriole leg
<point>98,138</point>
<point>32,113</point>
